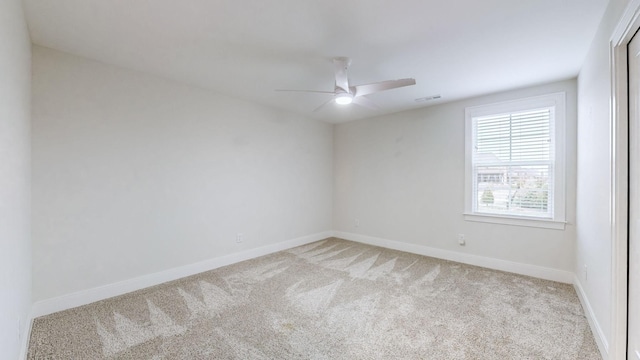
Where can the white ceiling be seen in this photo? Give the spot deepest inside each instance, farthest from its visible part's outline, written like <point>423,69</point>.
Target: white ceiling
<point>249,48</point>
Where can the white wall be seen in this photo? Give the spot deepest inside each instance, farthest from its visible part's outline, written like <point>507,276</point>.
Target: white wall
<point>593,231</point>
<point>133,174</point>
<point>402,176</point>
<point>15,242</point>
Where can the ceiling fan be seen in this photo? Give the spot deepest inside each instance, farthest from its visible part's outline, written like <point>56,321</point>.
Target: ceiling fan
<point>344,93</point>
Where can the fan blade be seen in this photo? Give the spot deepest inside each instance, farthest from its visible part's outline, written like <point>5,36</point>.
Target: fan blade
<point>307,91</point>
<point>360,90</point>
<point>340,65</point>
<point>323,105</point>
<point>366,102</point>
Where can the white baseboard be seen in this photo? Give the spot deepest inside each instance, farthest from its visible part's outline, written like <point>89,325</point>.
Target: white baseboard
<point>491,263</point>
<point>598,334</point>
<point>26,334</point>
<point>49,306</point>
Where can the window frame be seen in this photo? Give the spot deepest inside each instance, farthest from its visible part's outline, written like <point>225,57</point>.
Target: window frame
<point>556,100</point>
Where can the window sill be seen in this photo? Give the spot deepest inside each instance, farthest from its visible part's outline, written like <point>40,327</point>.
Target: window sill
<point>516,221</point>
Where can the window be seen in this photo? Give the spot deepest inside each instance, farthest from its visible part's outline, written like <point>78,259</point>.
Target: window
<point>515,162</point>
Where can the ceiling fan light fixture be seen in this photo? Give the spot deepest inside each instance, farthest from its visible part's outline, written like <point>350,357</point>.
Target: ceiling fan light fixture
<point>344,99</point>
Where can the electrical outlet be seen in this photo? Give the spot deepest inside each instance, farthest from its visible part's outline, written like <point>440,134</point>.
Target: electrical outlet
<point>585,272</point>
<point>239,238</point>
<point>461,240</point>
<point>357,222</point>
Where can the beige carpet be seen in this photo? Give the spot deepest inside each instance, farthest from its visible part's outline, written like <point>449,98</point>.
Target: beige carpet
<point>332,299</point>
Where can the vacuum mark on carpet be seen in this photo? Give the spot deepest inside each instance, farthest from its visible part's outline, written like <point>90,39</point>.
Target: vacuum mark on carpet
<point>128,333</point>
<point>313,301</point>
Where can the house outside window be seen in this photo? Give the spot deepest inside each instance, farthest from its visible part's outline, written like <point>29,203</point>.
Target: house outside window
<point>515,162</point>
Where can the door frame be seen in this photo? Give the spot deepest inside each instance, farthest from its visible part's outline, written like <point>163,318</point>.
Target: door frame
<point>619,155</point>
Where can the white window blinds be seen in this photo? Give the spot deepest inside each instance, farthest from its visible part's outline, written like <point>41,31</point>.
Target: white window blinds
<point>513,163</point>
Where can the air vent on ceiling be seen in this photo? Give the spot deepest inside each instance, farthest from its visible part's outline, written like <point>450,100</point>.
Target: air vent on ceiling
<point>428,98</point>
